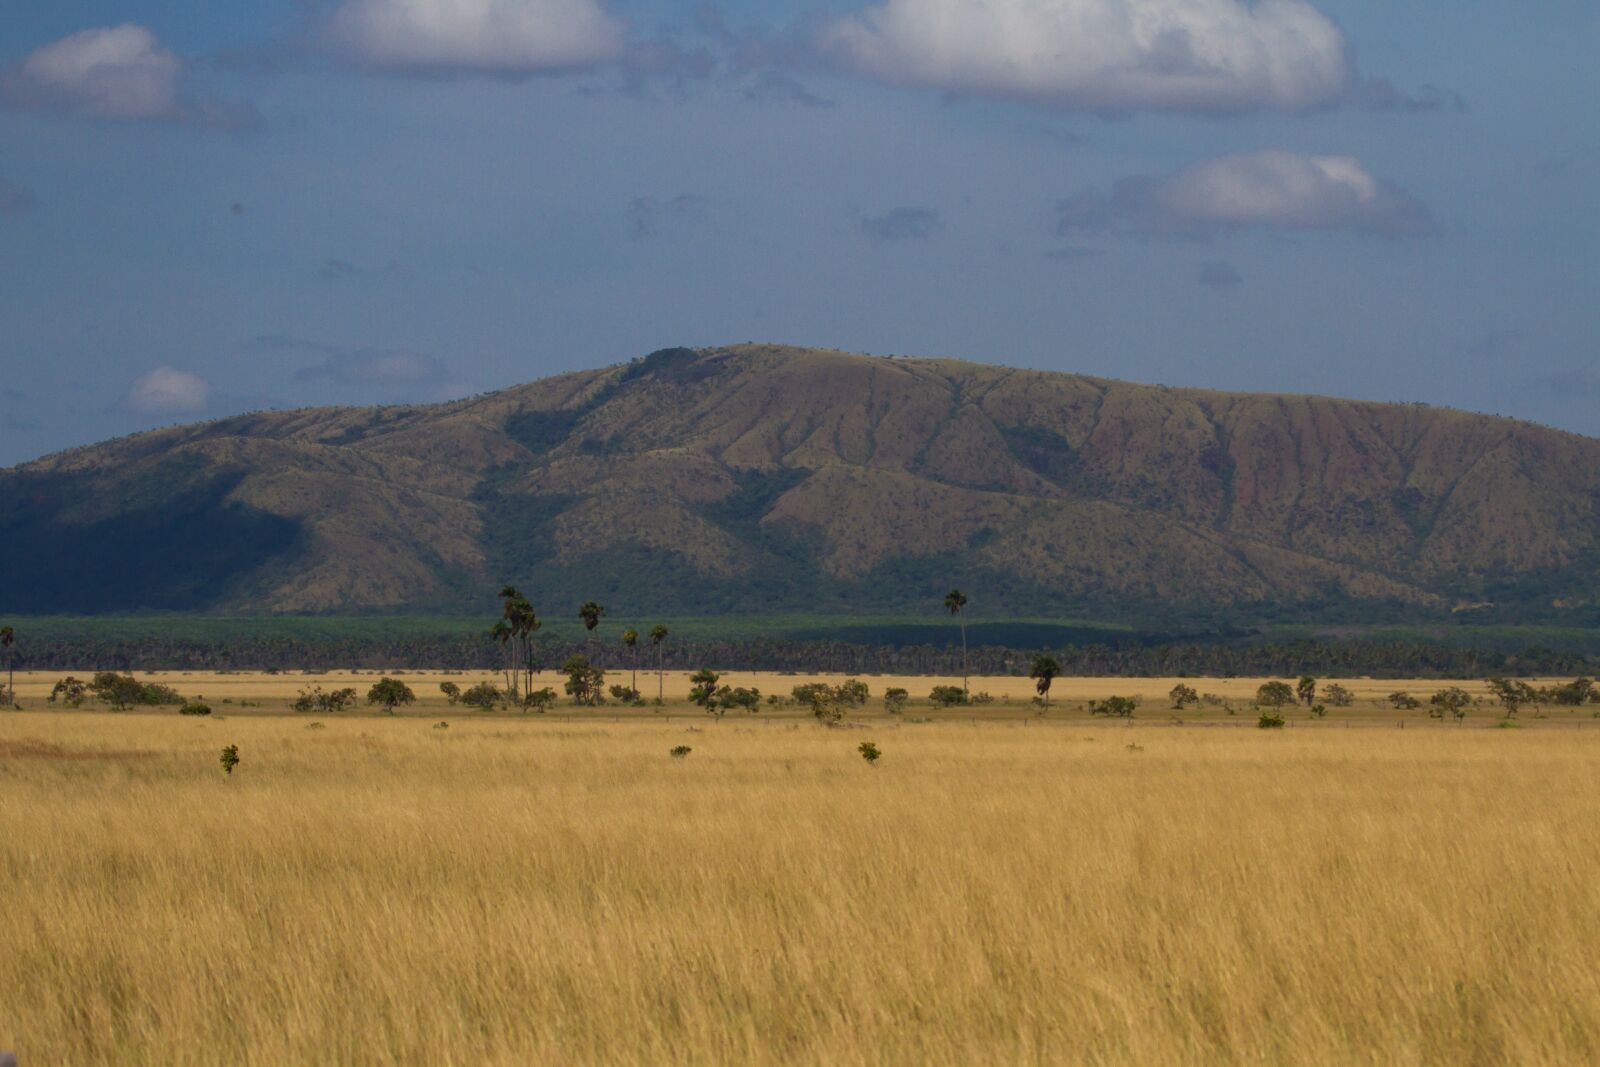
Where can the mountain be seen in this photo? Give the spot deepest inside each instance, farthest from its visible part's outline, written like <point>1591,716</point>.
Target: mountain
<point>760,478</point>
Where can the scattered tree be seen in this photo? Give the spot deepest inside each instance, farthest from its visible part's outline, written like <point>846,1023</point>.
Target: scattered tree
<point>1338,696</point>
<point>946,696</point>
<point>894,700</point>
<point>954,602</point>
<point>539,699</point>
<point>451,691</point>
<point>591,614</point>
<point>1404,701</point>
<point>1306,690</point>
<point>1044,671</point>
<point>584,680</point>
<point>1512,694</point>
<point>658,638</point>
<point>318,699</point>
<point>1182,696</point>
<point>69,691</point>
<point>1274,695</point>
<point>625,694</point>
<point>703,687</point>
<point>630,637</point>
<point>1450,703</point>
<point>8,641</point>
<point>391,693</point>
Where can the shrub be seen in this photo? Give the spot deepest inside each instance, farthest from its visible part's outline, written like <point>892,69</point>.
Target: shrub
<point>1513,694</point>
<point>1183,695</point>
<point>230,759</point>
<point>1578,691</point>
<point>869,752</point>
<point>1270,721</point>
<point>123,690</point>
<point>625,694</point>
<point>680,751</point>
<point>811,692</point>
<point>391,693</point>
<point>1404,701</point>
<point>1274,695</point>
<point>1319,711</point>
<point>451,691</point>
<point>894,700</point>
<point>946,696</point>
<point>484,695</point>
<point>195,709</point>
<point>1338,696</point>
<point>1115,707</point>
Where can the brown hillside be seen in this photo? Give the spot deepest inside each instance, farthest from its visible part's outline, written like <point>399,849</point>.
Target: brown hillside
<point>765,477</point>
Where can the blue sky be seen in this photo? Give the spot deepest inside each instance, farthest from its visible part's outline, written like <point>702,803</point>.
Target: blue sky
<point>208,208</point>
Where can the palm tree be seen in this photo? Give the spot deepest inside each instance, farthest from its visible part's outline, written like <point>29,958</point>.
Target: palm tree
<point>515,629</point>
<point>630,638</point>
<point>8,639</point>
<point>591,614</point>
<point>1045,669</point>
<point>954,601</point>
<point>658,637</point>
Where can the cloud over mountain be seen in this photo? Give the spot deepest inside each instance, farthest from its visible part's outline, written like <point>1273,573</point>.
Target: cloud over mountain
<point>1271,189</point>
<point>168,391</point>
<point>1217,56</point>
<point>507,37</point>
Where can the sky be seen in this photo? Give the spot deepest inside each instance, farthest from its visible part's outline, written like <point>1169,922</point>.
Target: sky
<point>216,206</point>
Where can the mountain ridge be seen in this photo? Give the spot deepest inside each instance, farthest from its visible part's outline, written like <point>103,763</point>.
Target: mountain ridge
<point>758,477</point>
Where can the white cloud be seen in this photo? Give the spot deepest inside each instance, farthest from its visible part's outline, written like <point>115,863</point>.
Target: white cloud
<point>1271,189</point>
<point>1103,55</point>
<point>118,72</point>
<point>491,36</point>
<point>167,391</point>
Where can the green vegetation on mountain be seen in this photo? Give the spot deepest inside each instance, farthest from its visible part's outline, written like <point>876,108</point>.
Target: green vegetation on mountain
<point>763,479</point>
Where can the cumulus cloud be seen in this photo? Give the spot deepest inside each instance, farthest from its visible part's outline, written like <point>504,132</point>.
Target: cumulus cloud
<point>1218,56</point>
<point>1271,189</point>
<point>168,391</point>
<point>902,224</point>
<point>508,37</point>
<point>117,73</point>
<point>14,197</point>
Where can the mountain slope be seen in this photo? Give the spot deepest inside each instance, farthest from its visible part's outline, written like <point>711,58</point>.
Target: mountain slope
<point>771,478</point>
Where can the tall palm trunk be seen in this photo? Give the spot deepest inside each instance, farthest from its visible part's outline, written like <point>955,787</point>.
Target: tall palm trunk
<point>964,669</point>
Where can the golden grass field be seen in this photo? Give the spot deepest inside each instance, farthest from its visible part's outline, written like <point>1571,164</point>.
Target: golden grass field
<point>517,889</point>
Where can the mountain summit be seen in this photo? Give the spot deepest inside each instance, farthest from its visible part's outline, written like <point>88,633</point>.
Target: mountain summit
<point>768,478</point>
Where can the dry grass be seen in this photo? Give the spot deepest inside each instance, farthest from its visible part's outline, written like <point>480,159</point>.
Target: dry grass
<point>514,890</point>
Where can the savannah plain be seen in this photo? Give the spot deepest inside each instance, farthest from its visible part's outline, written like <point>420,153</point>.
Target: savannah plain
<point>1004,885</point>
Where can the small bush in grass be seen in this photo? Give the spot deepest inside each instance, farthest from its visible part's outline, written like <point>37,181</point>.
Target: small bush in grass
<point>195,709</point>
<point>852,693</point>
<point>484,696</point>
<point>230,759</point>
<point>1450,703</point>
<point>894,700</point>
<point>948,696</point>
<point>318,699</point>
<point>869,752</point>
<point>1403,701</point>
<point>1270,721</point>
<point>1114,707</point>
<point>625,694</point>
<point>1319,711</point>
<point>680,751</point>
